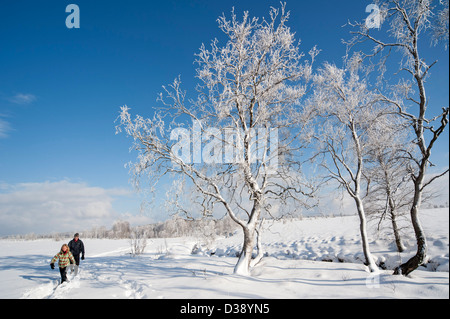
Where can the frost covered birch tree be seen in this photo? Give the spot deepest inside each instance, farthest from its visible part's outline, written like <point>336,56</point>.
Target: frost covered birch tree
<point>239,141</point>
<point>388,175</point>
<point>408,26</point>
<point>349,112</point>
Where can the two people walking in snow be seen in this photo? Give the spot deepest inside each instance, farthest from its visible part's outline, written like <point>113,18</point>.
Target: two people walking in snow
<point>69,255</point>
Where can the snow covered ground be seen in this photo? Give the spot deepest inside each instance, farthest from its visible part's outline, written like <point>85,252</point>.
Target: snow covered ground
<point>294,265</point>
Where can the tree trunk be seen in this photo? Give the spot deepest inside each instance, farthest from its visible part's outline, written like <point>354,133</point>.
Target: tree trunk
<point>398,239</point>
<point>243,265</point>
<point>420,256</point>
<point>260,253</point>
<point>364,239</point>
<point>392,207</point>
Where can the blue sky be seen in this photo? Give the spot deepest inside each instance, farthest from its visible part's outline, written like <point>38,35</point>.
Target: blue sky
<point>61,89</point>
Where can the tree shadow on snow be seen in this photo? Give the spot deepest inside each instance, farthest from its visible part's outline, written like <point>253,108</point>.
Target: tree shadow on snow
<point>30,267</point>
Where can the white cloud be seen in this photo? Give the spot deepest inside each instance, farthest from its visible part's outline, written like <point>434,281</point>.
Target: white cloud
<point>5,127</point>
<point>22,98</point>
<point>56,207</point>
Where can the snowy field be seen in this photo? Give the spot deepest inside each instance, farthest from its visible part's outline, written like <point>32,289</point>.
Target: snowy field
<point>309,258</point>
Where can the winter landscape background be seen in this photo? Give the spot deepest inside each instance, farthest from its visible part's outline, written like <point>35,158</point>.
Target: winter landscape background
<point>309,258</point>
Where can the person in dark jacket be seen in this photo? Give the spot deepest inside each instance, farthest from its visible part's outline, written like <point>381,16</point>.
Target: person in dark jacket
<point>76,248</point>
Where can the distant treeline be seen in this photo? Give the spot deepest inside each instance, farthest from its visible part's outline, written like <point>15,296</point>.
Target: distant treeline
<point>175,227</point>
